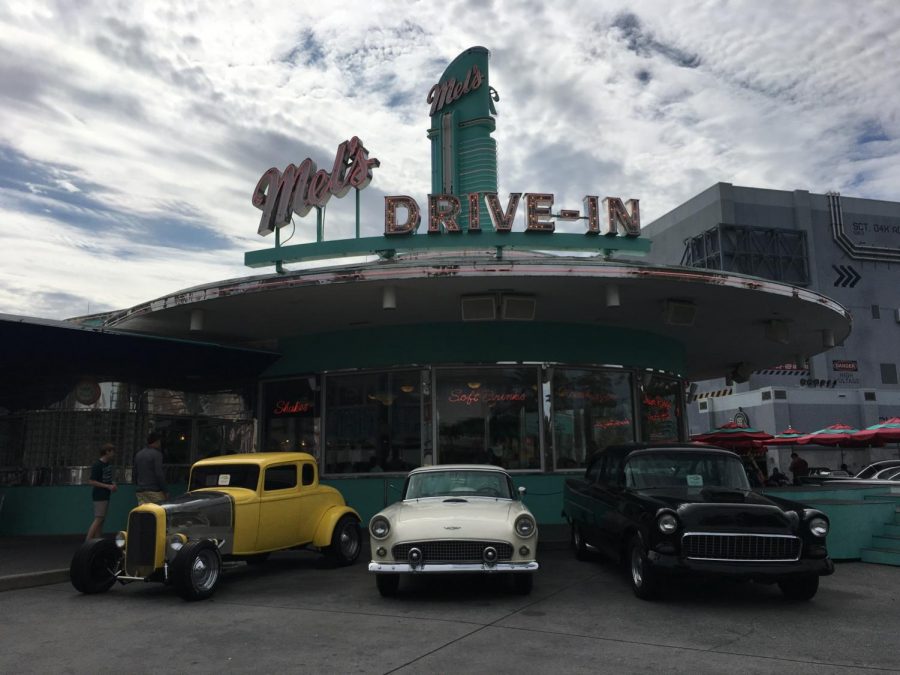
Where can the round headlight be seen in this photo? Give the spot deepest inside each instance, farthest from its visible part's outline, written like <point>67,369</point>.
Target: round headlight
<point>818,526</point>
<point>667,523</point>
<point>177,541</point>
<point>121,538</point>
<point>380,527</point>
<point>525,526</point>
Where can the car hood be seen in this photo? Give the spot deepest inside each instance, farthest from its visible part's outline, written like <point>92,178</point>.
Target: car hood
<point>721,509</point>
<point>200,514</point>
<point>456,518</point>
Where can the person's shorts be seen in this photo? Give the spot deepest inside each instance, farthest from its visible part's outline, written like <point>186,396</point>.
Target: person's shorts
<point>149,497</point>
<point>101,506</point>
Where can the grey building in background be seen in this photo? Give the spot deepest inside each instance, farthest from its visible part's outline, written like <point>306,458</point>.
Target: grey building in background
<point>843,247</point>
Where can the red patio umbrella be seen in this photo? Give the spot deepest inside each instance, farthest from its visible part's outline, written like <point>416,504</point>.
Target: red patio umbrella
<point>886,432</point>
<point>837,435</point>
<point>787,437</point>
<point>734,437</point>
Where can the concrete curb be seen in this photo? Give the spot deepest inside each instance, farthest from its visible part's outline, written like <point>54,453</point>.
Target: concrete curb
<point>14,582</point>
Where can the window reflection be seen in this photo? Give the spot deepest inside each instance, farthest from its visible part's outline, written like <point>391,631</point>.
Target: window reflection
<point>661,409</point>
<point>591,409</point>
<point>373,422</point>
<point>488,416</point>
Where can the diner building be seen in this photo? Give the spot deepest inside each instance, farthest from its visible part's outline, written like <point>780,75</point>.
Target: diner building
<point>471,331</point>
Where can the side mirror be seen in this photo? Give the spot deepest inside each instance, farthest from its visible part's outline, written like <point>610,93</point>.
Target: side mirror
<point>522,491</point>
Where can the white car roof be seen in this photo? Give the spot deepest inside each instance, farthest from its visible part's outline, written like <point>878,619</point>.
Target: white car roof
<point>458,467</point>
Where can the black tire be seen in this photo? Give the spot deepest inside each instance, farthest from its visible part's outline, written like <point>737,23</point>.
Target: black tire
<point>800,588</point>
<point>387,584</point>
<point>644,580</point>
<point>579,545</point>
<point>346,542</point>
<point>196,570</point>
<point>258,559</point>
<point>523,582</point>
<point>94,566</point>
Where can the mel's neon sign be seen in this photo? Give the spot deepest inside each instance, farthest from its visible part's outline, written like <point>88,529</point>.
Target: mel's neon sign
<point>298,189</point>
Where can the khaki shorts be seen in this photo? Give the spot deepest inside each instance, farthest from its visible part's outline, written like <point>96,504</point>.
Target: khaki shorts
<point>101,506</point>
<point>149,497</point>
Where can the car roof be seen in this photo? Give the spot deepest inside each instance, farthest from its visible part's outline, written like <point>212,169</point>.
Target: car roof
<point>883,463</point>
<point>632,448</point>
<point>258,458</point>
<point>458,467</point>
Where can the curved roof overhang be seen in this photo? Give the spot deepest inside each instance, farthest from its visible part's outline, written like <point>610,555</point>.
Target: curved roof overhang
<point>726,322</point>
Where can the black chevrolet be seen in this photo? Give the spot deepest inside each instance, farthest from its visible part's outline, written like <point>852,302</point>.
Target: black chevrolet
<point>668,509</point>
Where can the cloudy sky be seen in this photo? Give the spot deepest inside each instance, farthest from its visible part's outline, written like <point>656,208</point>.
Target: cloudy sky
<point>132,134</point>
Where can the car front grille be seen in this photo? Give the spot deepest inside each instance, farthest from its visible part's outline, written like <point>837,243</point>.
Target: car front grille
<point>140,553</point>
<point>745,547</point>
<point>453,551</point>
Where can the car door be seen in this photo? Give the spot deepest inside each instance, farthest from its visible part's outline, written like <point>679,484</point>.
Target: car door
<point>279,508</point>
<point>608,492</point>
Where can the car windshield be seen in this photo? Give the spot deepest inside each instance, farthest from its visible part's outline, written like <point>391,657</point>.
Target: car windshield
<point>684,469</point>
<point>458,483</point>
<point>225,475</point>
<point>872,469</point>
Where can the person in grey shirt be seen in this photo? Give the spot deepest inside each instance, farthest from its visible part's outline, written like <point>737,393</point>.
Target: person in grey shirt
<point>149,479</point>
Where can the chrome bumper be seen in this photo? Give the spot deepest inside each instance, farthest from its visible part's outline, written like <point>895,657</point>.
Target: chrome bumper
<point>443,568</point>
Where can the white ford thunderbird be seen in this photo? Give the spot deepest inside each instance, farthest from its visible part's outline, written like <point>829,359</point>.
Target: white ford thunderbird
<point>455,518</point>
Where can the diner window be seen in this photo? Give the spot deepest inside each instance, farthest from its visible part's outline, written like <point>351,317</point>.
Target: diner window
<point>591,410</point>
<point>661,412</point>
<point>176,439</point>
<point>290,415</point>
<point>373,422</point>
<point>488,416</point>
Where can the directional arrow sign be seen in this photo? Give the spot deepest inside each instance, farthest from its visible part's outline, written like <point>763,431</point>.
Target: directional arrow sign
<point>846,276</point>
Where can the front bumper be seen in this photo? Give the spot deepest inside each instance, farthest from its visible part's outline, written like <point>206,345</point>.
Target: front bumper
<point>443,568</point>
<point>735,569</point>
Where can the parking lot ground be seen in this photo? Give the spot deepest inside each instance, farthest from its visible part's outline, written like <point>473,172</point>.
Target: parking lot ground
<point>296,614</point>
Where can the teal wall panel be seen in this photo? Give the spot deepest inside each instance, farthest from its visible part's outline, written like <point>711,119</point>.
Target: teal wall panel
<point>477,342</point>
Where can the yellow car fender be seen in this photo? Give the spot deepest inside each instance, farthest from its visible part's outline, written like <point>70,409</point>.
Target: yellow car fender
<point>328,522</point>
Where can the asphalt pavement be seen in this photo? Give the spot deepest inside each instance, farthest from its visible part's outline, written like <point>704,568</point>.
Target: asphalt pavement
<point>296,614</point>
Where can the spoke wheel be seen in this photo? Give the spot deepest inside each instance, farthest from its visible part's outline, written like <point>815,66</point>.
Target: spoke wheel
<point>346,542</point>
<point>579,546</point>
<point>95,565</point>
<point>643,579</point>
<point>196,570</point>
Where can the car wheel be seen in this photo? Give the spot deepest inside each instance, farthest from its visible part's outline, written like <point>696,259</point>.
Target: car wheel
<point>345,542</point>
<point>196,570</point>
<point>94,566</point>
<point>257,559</point>
<point>387,584</point>
<point>523,583</point>
<point>579,546</point>
<point>800,588</point>
<point>643,578</point>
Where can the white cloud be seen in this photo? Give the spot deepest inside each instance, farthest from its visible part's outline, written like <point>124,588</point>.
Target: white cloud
<point>160,119</point>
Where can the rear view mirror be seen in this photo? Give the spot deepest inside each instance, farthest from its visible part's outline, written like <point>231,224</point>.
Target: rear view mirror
<point>522,491</point>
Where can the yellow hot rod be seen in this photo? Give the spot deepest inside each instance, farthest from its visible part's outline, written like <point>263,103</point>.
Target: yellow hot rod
<point>237,507</point>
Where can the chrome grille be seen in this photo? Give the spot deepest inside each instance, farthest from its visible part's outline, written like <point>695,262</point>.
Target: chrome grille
<point>141,547</point>
<point>746,547</point>
<point>460,551</point>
